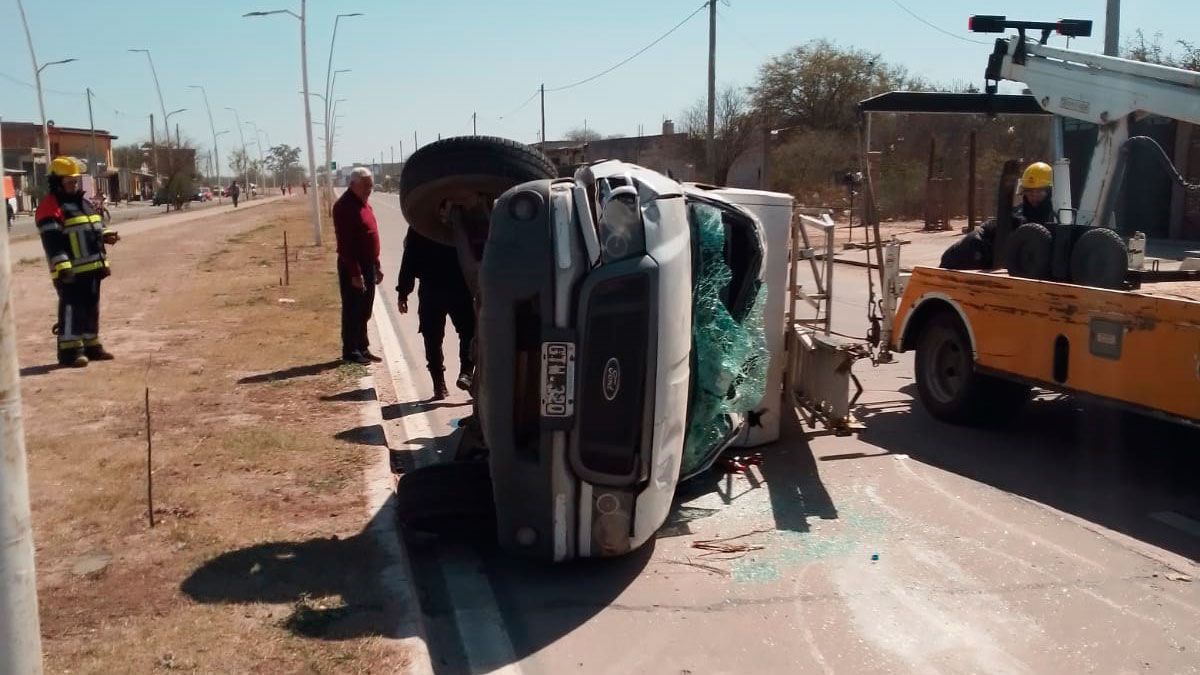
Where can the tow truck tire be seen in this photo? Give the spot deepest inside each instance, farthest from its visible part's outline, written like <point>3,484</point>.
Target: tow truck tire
<point>461,169</point>
<point>1099,258</point>
<point>1030,252</point>
<point>950,387</point>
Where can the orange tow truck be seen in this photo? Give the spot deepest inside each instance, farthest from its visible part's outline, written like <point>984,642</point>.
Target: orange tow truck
<point>1059,312</point>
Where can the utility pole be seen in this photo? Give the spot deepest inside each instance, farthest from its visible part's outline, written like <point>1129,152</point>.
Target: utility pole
<point>92,152</point>
<point>154,149</point>
<point>542,92</point>
<point>1112,28</point>
<point>178,144</point>
<point>415,143</point>
<point>19,630</point>
<point>710,147</point>
<point>474,129</point>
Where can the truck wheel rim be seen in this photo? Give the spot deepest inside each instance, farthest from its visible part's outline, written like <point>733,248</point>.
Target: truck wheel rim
<point>949,370</point>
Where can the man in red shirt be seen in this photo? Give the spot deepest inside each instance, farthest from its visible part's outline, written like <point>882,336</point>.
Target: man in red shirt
<point>357,264</point>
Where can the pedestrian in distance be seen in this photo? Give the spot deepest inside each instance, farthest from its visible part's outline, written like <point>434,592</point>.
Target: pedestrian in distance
<point>443,292</point>
<point>283,190</point>
<point>74,238</point>
<point>289,189</point>
<point>358,268</point>
<point>235,191</point>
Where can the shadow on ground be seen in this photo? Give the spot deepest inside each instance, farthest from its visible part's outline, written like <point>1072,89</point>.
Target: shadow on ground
<point>1122,471</point>
<point>291,373</point>
<point>333,585</point>
<point>789,474</point>
<point>33,371</point>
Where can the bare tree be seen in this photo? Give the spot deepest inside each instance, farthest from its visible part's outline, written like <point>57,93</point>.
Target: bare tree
<point>1152,50</point>
<point>581,135</point>
<point>736,123</point>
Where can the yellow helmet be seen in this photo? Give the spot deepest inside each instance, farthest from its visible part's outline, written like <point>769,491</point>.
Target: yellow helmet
<point>1037,176</point>
<point>65,166</point>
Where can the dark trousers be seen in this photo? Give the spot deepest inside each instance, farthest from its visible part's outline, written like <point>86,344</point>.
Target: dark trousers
<point>432,310</point>
<point>356,309</point>
<point>78,312</point>
<point>235,199</point>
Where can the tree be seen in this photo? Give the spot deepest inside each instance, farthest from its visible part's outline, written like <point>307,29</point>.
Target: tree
<point>241,165</point>
<point>1139,48</point>
<point>130,156</point>
<point>582,135</point>
<point>283,161</point>
<point>733,130</point>
<point>819,84</point>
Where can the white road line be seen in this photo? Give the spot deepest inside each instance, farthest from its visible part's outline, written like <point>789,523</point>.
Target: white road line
<point>1178,521</point>
<point>484,638</point>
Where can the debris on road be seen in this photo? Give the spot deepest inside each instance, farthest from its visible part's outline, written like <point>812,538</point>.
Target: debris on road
<point>723,546</point>
<point>1174,576</point>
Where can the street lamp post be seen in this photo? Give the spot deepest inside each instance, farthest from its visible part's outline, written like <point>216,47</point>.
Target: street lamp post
<point>329,91</point>
<point>37,78</point>
<point>157,89</point>
<point>308,125</point>
<point>212,127</point>
<point>245,157</point>
<point>261,161</point>
<point>218,162</point>
<point>270,176</point>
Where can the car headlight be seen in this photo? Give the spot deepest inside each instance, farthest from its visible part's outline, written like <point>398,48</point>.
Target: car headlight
<point>621,228</point>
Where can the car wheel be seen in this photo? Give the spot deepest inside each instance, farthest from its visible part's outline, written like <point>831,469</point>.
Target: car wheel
<point>1030,251</point>
<point>1099,258</point>
<point>451,498</point>
<point>948,384</point>
<point>465,169</point>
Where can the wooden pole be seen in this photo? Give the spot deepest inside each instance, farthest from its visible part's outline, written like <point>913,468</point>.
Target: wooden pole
<point>971,184</point>
<point>149,464</point>
<point>287,275</point>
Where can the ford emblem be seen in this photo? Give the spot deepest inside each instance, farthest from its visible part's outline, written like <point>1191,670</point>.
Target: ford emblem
<point>612,378</point>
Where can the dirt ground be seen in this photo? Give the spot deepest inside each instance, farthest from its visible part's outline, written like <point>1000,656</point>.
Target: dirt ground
<point>258,561</point>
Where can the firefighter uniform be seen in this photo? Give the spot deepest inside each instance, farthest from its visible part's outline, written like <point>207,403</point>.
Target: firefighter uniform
<point>74,238</point>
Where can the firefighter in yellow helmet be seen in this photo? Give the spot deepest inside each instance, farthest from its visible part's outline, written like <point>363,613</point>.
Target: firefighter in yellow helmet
<point>975,250</point>
<point>74,238</point>
<point>1036,183</point>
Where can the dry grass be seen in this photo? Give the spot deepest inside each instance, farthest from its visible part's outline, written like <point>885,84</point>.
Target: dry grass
<point>256,563</point>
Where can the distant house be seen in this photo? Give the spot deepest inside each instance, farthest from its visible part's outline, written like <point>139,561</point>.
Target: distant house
<point>668,153</point>
<point>24,154</point>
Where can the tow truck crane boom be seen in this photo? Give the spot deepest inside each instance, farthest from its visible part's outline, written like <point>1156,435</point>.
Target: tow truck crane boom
<point>1103,90</point>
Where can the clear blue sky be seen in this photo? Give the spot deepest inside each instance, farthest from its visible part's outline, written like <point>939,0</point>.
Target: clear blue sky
<point>426,65</point>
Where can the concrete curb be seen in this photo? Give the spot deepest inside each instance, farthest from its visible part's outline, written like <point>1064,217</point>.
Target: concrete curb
<point>397,576</point>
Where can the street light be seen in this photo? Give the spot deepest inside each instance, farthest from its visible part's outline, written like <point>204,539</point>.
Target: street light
<point>261,160</point>
<point>37,78</point>
<point>242,137</point>
<point>329,88</point>
<point>328,116</point>
<point>167,119</point>
<point>308,131</point>
<point>331,129</point>
<point>216,136</point>
<point>162,106</point>
<point>212,127</point>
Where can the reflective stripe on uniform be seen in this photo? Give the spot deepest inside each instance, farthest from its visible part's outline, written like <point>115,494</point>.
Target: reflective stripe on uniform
<point>66,330</point>
<point>77,220</point>
<point>91,341</point>
<point>60,258</point>
<point>73,237</point>
<point>89,267</point>
<point>69,344</point>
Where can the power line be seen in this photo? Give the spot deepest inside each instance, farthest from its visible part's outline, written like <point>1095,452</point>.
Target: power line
<point>23,83</point>
<point>636,54</point>
<point>935,26</point>
<point>522,106</point>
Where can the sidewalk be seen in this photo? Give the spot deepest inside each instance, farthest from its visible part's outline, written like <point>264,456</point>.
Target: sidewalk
<point>265,555</point>
<point>28,245</point>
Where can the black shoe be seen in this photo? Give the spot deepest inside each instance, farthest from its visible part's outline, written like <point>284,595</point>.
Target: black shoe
<point>98,353</point>
<point>355,357</point>
<point>367,353</point>
<point>72,358</point>
<point>440,392</point>
<point>464,381</point>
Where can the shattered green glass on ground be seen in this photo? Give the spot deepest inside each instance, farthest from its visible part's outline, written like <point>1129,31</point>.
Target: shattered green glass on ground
<point>729,359</point>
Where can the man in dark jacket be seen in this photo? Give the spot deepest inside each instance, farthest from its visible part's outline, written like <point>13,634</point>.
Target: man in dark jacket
<point>975,250</point>
<point>357,264</point>
<point>443,293</point>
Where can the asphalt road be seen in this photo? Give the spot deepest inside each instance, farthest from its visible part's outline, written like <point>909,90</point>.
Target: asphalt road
<point>1062,543</point>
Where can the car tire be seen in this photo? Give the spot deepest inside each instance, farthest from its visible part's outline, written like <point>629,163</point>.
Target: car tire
<point>1099,258</point>
<point>951,388</point>
<point>461,169</point>
<point>1030,252</point>
<point>450,498</point>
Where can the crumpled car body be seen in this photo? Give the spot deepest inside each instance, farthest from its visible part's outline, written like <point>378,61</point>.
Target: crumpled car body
<point>585,379</point>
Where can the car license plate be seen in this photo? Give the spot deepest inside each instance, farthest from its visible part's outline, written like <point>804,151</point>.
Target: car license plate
<point>558,379</point>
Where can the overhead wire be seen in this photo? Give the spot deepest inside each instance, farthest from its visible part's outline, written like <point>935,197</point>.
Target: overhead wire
<point>632,56</point>
<point>934,26</point>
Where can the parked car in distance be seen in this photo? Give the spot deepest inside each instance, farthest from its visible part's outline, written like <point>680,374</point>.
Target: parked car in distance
<point>202,194</point>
